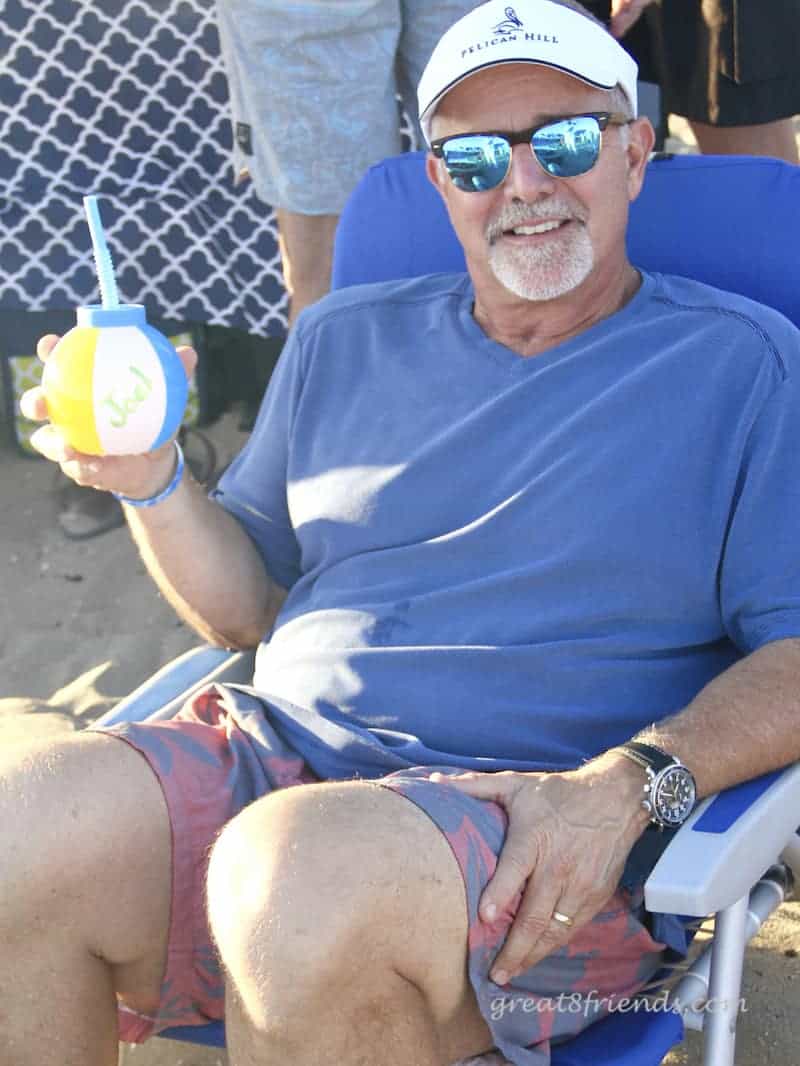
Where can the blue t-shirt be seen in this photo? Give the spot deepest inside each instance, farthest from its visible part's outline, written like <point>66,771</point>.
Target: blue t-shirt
<point>504,562</point>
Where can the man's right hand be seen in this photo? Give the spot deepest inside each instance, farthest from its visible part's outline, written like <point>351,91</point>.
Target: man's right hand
<point>200,556</point>
<point>137,476</point>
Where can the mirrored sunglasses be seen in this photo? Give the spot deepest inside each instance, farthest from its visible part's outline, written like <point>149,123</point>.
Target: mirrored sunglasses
<point>565,148</point>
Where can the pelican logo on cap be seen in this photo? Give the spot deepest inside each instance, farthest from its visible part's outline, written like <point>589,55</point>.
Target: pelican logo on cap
<point>510,24</point>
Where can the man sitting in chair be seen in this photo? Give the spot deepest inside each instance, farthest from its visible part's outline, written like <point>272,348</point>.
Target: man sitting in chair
<point>541,519</point>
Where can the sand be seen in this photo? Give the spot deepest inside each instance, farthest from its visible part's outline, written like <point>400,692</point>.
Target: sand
<point>81,625</point>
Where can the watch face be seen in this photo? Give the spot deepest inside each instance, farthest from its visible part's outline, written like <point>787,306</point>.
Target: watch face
<point>673,795</point>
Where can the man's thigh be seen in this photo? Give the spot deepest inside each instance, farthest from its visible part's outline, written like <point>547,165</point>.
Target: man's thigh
<point>85,842</point>
<point>608,960</point>
<point>370,884</point>
<point>329,893</point>
<point>214,758</point>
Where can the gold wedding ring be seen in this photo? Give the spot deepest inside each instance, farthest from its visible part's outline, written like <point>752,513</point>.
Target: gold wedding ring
<point>564,919</point>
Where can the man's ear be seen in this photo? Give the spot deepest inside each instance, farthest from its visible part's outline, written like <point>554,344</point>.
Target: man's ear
<point>640,144</point>
<point>434,172</point>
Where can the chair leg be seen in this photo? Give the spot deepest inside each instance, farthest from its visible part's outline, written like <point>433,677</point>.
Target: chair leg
<point>791,856</point>
<point>727,958</point>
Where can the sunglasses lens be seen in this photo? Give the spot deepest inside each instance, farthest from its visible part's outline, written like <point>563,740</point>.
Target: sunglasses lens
<point>476,162</point>
<point>569,147</point>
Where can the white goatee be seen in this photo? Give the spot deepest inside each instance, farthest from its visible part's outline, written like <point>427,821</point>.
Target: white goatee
<point>547,270</point>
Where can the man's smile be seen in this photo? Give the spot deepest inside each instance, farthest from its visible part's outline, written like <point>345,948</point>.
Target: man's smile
<point>533,223</point>
<point>535,229</point>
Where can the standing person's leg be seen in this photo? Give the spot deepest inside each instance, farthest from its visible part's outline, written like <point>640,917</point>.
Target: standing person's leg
<point>306,241</point>
<point>731,71</point>
<point>84,898</point>
<point>306,247</point>
<point>312,91</point>
<point>776,139</point>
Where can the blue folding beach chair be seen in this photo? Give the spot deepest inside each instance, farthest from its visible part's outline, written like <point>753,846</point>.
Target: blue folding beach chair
<point>732,222</point>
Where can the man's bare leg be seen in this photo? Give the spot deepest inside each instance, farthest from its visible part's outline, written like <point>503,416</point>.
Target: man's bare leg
<point>306,247</point>
<point>339,910</point>
<point>84,898</point>
<point>775,139</point>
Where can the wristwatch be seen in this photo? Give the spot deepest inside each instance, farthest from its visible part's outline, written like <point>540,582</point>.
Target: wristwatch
<point>670,792</point>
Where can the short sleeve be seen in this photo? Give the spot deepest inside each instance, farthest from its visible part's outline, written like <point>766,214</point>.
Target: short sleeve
<point>760,574</point>
<point>254,487</point>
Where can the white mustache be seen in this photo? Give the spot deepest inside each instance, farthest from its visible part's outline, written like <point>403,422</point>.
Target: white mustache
<point>529,214</point>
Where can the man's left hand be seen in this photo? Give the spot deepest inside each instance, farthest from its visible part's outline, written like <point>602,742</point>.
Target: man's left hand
<point>568,837</point>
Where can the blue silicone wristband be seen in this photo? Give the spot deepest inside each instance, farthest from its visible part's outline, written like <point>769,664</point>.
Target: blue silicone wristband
<point>168,491</point>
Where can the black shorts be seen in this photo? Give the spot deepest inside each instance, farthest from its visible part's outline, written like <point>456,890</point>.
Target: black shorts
<point>722,62</point>
<point>733,63</point>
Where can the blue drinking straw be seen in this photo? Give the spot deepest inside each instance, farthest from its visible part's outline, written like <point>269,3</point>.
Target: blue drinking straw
<point>109,293</point>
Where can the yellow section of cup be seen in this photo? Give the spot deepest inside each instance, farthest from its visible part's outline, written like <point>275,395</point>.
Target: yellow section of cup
<point>68,388</point>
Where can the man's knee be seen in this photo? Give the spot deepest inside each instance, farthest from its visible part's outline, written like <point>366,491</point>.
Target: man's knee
<point>334,882</point>
<point>285,864</point>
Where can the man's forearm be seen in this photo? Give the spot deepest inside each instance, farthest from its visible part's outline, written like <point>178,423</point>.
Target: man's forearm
<point>207,567</point>
<point>743,723</point>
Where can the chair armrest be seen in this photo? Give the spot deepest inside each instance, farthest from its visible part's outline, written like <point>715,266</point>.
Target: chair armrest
<point>162,695</point>
<point>726,846</point>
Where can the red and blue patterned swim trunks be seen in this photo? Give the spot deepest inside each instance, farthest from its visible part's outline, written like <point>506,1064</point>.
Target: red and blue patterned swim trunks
<point>221,753</point>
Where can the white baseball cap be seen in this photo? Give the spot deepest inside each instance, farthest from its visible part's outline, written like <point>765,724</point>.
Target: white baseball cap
<point>529,31</point>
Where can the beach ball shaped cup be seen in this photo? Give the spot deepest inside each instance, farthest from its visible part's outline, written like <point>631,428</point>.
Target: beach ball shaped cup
<point>113,384</point>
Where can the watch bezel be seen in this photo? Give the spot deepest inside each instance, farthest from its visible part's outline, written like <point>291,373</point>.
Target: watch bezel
<point>668,815</point>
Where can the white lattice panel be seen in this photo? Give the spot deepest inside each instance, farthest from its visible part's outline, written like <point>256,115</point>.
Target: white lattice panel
<point>129,100</point>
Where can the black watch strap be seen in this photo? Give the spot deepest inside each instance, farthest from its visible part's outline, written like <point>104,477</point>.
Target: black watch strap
<point>647,756</point>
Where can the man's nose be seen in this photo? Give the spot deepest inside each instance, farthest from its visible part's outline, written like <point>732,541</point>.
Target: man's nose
<point>527,179</point>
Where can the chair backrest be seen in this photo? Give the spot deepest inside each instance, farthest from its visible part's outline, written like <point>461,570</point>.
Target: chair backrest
<point>729,221</point>
<point>732,221</point>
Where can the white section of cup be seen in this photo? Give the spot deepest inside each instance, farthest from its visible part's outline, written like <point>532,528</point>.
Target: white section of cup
<point>129,391</point>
